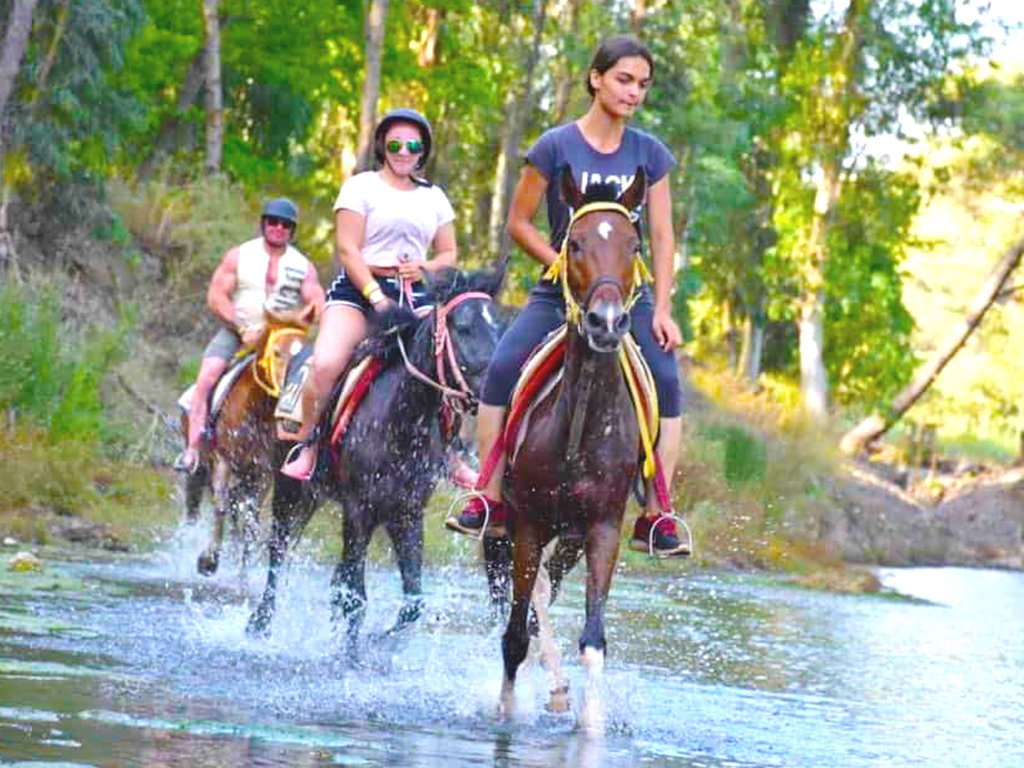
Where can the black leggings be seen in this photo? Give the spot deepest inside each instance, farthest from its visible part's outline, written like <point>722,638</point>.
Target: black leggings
<point>545,311</point>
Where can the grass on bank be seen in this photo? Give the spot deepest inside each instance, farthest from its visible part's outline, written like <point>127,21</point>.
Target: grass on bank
<point>47,483</point>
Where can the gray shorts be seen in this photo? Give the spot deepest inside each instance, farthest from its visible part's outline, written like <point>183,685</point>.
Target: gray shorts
<point>223,345</point>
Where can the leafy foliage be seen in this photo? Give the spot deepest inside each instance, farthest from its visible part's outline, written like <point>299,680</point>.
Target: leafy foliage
<point>51,377</point>
<point>109,100</point>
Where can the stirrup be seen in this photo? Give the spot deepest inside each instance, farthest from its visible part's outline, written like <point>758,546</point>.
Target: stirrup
<point>190,468</point>
<point>689,536</point>
<point>461,499</point>
<point>295,450</point>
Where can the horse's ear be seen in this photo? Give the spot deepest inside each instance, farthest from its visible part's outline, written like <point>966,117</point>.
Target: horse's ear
<point>570,192</point>
<point>495,278</point>
<point>636,192</point>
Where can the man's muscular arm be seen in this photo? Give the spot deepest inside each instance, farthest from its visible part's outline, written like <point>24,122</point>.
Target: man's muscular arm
<point>312,296</point>
<point>222,286</point>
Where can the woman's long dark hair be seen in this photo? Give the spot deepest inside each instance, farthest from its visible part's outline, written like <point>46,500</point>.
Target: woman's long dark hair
<point>613,49</point>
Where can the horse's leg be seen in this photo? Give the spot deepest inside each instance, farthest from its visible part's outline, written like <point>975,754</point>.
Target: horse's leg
<point>292,504</point>
<point>516,641</point>
<point>407,538</point>
<point>498,566</point>
<point>550,658</point>
<point>210,557</point>
<point>252,492</point>
<point>348,583</point>
<point>602,551</point>
<point>195,484</point>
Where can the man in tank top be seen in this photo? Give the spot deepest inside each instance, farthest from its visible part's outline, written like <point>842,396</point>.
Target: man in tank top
<point>265,274</point>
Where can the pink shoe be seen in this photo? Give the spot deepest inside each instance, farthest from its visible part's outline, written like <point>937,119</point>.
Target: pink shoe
<point>463,476</point>
<point>300,466</point>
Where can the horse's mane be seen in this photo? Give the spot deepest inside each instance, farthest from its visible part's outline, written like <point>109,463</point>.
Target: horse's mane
<point>449,282</point>
<point>442,286</point>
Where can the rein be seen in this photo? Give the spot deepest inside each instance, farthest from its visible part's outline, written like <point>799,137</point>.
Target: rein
<point>459,396</point>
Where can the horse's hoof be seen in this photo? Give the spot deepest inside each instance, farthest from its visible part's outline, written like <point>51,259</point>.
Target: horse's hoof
<point>207,564</point>
<point>258,627</point>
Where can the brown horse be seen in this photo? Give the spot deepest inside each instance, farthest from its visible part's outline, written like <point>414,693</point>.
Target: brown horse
<point>235,462</point>
<point>574,467</point>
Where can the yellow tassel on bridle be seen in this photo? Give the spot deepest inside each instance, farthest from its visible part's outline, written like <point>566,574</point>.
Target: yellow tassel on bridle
<point>559,271</point>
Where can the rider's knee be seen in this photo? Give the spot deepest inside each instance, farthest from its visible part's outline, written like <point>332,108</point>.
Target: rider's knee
<point>328,364</point>
<point>208,376</point>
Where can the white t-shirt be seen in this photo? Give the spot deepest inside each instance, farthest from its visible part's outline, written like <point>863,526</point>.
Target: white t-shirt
<point>398,221</point>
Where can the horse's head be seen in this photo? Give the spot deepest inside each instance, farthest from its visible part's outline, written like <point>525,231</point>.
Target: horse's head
<point>282,339</point>
<point>599,262</point>
<point>468,317</point>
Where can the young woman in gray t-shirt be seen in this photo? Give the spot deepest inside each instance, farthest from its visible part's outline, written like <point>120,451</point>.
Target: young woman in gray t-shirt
<point>599,147</point>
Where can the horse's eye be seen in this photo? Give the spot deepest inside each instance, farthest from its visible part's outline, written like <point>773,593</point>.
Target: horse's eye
<point>575,249</point>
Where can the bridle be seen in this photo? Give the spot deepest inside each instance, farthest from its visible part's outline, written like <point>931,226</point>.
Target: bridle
<point>456,395</point>
<point>559,269</point>
<point>263,370</point>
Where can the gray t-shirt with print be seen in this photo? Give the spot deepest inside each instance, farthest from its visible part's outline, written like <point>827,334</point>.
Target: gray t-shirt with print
<point>565,145</point>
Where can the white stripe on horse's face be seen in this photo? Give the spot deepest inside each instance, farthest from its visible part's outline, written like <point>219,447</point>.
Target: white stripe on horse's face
<point>485,310</point>
<point>604,229</point>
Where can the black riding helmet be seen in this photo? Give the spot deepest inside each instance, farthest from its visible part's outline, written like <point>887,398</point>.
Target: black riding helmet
<point>402,115</point>
<point>281,208</point>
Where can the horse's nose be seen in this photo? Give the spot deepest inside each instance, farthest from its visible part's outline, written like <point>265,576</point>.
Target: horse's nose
<point>606,321</point>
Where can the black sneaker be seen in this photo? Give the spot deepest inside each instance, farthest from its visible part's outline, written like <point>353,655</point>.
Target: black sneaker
<point>471,520</point>
<point>665,542</point>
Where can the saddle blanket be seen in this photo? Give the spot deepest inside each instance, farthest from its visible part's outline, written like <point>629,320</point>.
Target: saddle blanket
<point>542,373</point>
<point>220,391</point>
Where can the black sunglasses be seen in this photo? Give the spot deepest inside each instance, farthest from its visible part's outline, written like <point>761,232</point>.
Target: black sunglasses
<point>415,146</point>
<point>275,221</point>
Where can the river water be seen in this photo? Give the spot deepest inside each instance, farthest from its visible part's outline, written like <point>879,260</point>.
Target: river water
<point>135,662</point>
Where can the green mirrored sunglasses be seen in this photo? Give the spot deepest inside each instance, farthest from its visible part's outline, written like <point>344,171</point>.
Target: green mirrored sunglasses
<point>415,146</point>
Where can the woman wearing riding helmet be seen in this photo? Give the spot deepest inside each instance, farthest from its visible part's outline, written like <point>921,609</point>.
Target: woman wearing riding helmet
<point>600,148</point>
<point>386,221</point>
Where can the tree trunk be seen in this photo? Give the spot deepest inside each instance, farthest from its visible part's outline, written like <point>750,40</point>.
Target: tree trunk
<point>837,105</point>
<point>16,38</point>
<point>517,112</point>
<point>811,322</point>
<point>170,134</point>
<point>566,74</point>
<point>376,17</point>
<point>19,27</point>
<point>427,54</point>
<point>63,16</point>
<point>752,345</point>
<point>214,93</point>
<point>877,425</point>
<point>638,15</point>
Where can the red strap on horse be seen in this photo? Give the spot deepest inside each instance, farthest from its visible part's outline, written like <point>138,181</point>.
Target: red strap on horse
<point>519,407</point>
<point>354,399</point>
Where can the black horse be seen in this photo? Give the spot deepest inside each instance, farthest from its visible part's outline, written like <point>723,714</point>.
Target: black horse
<point>390,457</point>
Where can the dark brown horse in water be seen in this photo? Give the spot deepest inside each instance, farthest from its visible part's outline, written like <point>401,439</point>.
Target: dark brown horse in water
<point>388,461</point>
<point>235,462</point>
<point>571,475</point>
